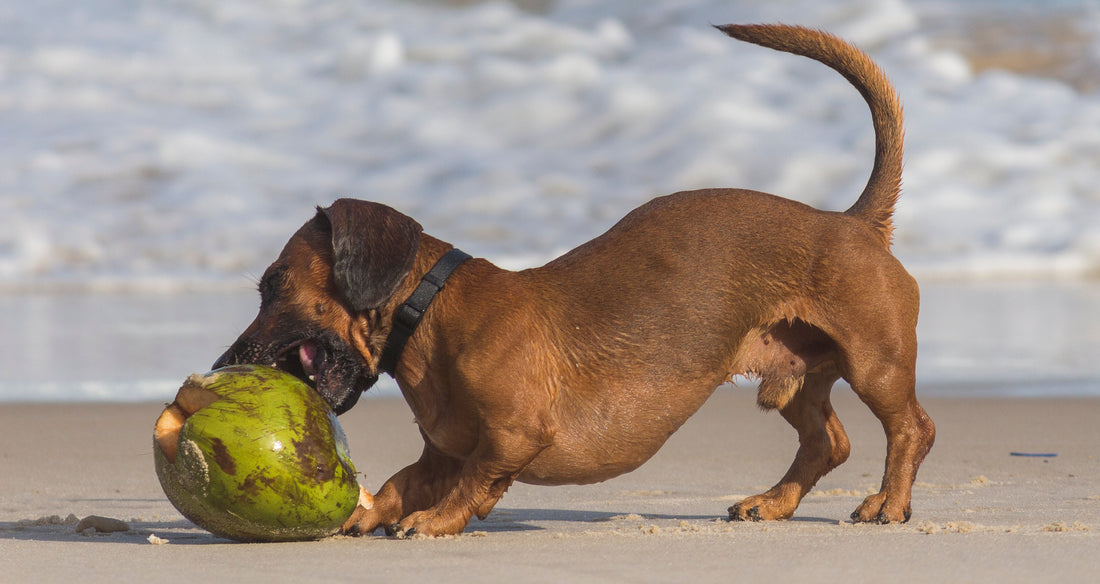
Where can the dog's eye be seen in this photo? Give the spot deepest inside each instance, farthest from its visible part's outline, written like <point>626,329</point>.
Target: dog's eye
<point>272,284</point>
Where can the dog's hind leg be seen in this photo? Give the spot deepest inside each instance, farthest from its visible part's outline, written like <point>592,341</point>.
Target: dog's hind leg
<point>888,390</point>
<point>879,349</point>
<point>823,446</point>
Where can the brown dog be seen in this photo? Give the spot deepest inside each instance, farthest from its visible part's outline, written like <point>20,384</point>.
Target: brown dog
<point>579,371</point>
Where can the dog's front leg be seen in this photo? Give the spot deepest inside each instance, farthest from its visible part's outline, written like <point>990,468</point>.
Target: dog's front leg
<point>481,481</point>
<point>418,486</point>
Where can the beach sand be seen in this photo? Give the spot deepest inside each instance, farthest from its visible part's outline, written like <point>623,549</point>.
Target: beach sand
<point>980,513</point>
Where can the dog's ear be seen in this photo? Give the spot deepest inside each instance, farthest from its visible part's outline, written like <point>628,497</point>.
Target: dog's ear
<point>373,248</point>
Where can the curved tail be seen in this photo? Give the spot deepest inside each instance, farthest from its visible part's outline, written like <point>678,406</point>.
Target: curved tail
<point>876,204</point>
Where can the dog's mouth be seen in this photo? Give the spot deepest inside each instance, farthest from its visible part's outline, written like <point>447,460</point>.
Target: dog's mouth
<point>322,360</point>
<point>302,361</point>
<point>338,377</point>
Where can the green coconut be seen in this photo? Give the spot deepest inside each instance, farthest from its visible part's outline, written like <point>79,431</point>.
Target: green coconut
<point>252,453</point>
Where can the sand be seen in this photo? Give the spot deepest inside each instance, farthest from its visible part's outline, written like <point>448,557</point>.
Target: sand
<point>981,514</point>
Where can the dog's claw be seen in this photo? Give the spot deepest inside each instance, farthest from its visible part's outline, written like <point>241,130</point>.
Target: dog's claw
<point>881,518</point>
<point>353,531</point>
<point>395,530</point>
<point>753,514</point>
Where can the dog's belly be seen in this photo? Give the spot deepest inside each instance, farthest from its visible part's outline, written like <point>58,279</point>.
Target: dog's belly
<point>569,466</point>
<point>596,440</point>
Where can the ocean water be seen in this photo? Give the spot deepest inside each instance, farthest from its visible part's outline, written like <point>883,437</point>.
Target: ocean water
<point>155,156</point>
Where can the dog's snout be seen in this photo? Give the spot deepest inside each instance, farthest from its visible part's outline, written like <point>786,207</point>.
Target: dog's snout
<point>240,353</point>
<point>226,359</point>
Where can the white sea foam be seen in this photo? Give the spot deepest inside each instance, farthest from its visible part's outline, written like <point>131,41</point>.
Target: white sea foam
<point>177,145</point>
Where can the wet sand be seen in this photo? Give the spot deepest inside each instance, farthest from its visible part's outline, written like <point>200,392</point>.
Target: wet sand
<point>980,513</point>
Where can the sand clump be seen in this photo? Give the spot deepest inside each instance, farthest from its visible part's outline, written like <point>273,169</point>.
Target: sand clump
<point>48,520</point>
<point>89,525</point>
<point>93,524</point>
<point>933,528</point>
<point>1060,527</point>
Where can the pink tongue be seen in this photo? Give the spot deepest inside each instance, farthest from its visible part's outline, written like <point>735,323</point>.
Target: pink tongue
<point>307,351</point>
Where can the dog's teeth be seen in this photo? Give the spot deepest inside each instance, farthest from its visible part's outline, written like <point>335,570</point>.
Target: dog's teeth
<point>313,378</point>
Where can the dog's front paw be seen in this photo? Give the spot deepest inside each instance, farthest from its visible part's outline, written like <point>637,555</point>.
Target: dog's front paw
<point>365,519</point>
<point>362,522</point>
<point>428,523</point>
<point>877,508</point>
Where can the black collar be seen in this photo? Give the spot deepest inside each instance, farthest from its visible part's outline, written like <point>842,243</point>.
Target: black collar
<point>408,315</point>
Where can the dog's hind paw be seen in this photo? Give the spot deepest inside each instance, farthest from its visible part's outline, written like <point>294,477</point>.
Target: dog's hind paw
<point>877,509</point>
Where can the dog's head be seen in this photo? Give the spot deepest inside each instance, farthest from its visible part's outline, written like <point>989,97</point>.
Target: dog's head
<point>323,302</point>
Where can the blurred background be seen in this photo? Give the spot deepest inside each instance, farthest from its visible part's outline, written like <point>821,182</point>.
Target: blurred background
<point>155,155</point>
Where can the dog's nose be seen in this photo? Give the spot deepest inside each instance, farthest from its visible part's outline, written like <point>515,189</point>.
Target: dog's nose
<point>227,358</point>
